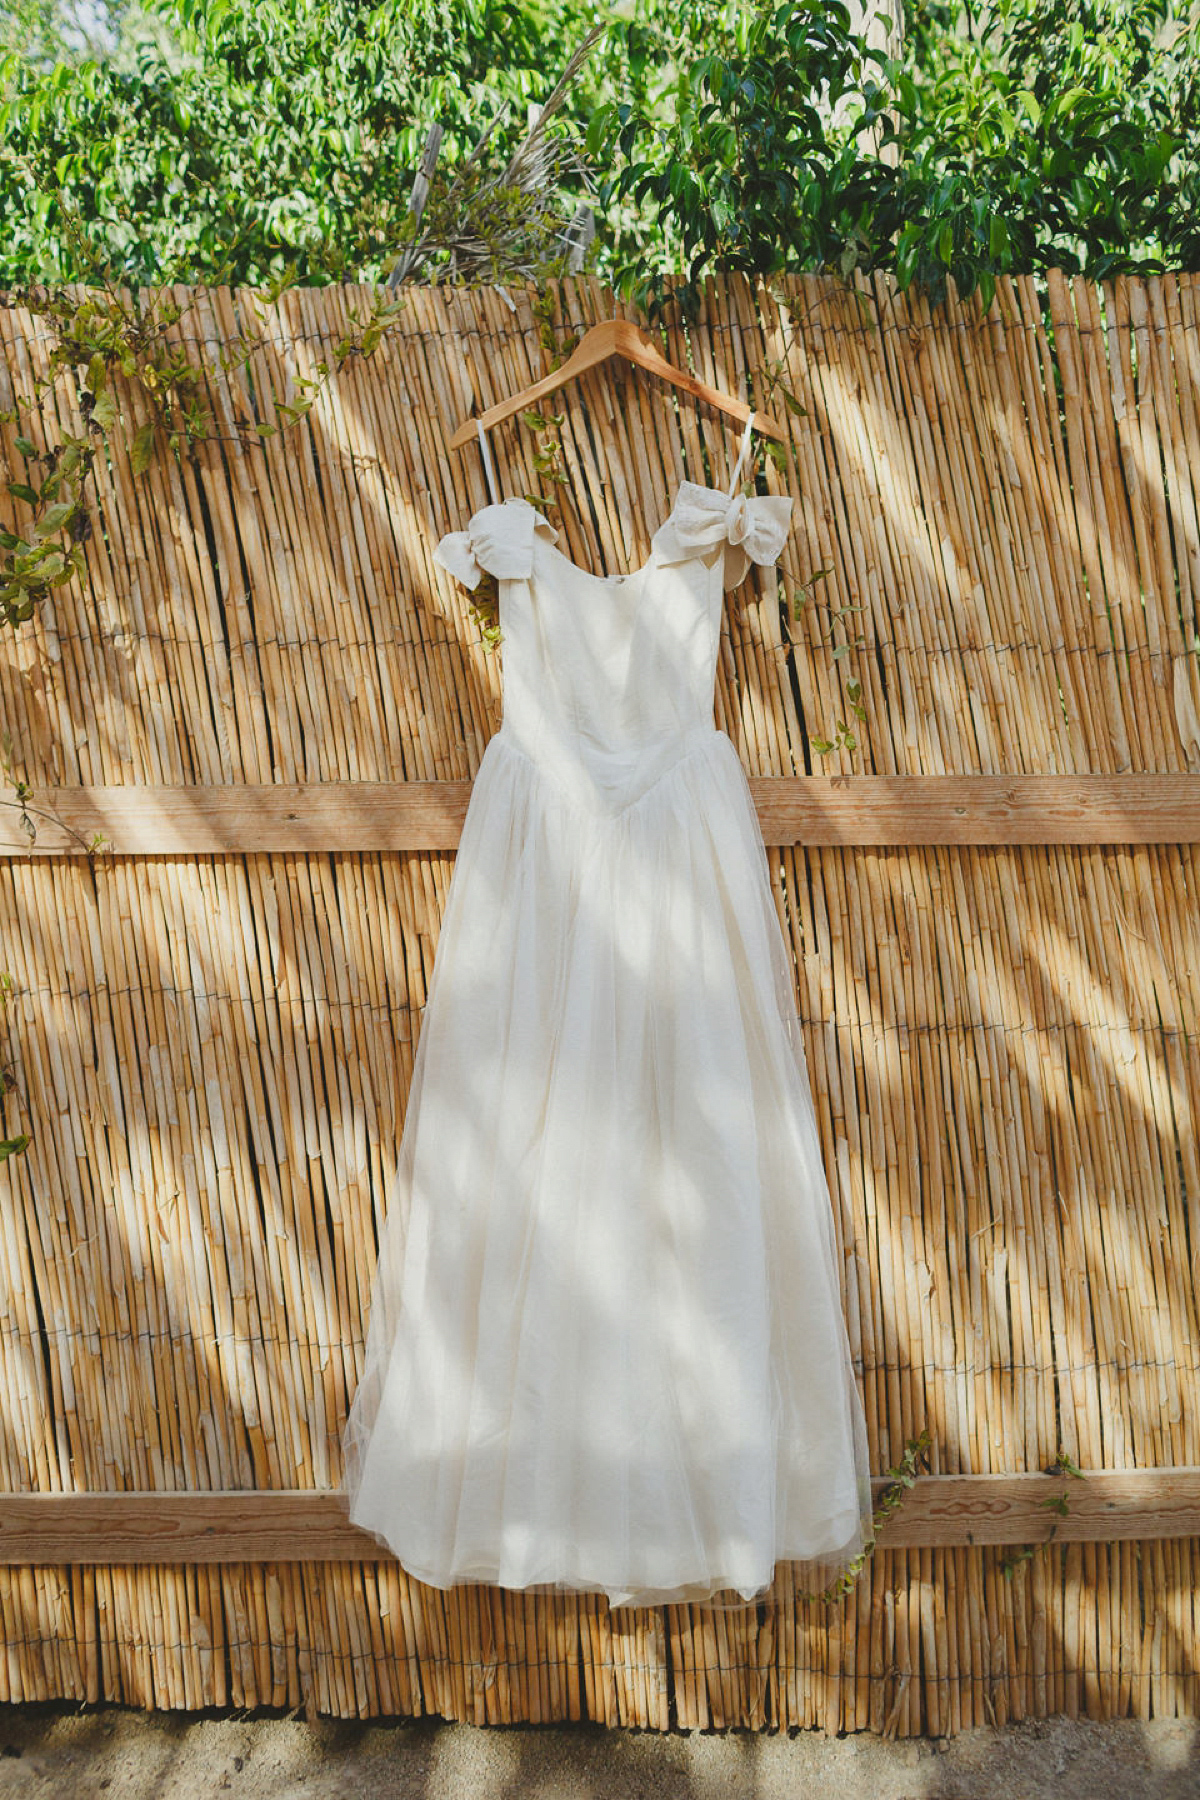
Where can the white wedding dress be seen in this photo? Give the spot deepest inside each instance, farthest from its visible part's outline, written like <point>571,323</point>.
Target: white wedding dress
<point>606,1348</point>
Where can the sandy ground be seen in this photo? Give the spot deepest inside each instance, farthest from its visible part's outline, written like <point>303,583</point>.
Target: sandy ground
<point>59,1753</point>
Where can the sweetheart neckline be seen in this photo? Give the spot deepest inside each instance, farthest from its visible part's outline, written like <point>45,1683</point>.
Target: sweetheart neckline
<point>613,581</point>
<point>608,581</point>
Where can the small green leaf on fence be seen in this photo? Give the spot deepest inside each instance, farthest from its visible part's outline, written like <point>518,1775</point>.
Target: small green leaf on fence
<point>1011,1563</point>
<point>142,450</point>
<point>54,518</point>
<point>1062,1465</point>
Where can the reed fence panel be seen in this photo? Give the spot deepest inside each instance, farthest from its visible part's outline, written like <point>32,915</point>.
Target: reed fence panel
<point>998,517</point>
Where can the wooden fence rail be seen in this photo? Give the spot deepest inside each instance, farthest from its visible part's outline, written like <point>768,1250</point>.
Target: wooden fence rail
<point>1099,1506</point>
<point>793,810</point>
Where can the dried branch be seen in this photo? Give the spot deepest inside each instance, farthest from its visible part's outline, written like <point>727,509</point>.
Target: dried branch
<point>514,175</point>
<point>510,225</point>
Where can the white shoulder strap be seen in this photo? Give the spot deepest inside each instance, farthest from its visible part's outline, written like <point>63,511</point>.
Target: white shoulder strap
<point>737,473</point>
<point>488,470</point>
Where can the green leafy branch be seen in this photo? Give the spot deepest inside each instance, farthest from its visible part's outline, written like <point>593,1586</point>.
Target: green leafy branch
<point>547,456</point>
<point>28,813</point>
<point>912,1465</point>
<point>803,593</point>
<point>9,1146</point>
<point>23,794</point>
<point>547,462</point>
<point>767,379</point>
<point>104,333</point>
<point>485,610</point>
<point>1055,1503</point>
<point>1062,1465</point>
<point>543,312</point>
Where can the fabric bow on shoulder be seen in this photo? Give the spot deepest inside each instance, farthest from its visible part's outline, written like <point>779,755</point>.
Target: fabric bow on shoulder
<point>752,528</point>
<point>499,539</point>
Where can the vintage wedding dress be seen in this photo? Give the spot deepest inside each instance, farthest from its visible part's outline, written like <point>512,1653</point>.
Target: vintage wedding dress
<point>605,1348</point>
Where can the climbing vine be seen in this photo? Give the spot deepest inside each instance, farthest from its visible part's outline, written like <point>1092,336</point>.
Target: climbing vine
<point>913,1464</point>
<point>101,334</point>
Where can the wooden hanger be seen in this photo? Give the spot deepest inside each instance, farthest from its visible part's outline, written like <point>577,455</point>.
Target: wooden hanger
<point>615,337</point>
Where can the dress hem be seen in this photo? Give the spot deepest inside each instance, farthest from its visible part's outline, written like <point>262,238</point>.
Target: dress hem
<point>819,1571</point>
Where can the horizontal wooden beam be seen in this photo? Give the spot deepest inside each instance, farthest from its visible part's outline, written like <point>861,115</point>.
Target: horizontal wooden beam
<point>242,818</point>
<point>301,1525</point>
<point>428,815</point>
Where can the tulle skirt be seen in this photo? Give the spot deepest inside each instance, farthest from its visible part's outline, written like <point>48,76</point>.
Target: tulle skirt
<point>606,1349</point>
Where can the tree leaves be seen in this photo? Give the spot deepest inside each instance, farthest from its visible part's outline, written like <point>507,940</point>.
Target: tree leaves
<point>1056,132</point>
<point>235,136</point>
<point>995,167</point>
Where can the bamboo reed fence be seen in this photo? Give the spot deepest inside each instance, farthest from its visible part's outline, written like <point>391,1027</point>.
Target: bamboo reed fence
<point>272,702</point>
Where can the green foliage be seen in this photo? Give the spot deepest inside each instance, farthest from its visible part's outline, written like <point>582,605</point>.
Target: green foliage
<point>1050,135</point>
<point>104,332</point>
<point>804,595</point>
<point>9,1146</point>
<point>741,168</point>
<point>901,1478</point>
<point>1063,1465</point>
<point>1055,1503</point>
<point>233,142</point>
<point>1056,135</point>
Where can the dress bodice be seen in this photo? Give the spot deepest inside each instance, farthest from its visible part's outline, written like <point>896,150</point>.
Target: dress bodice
<point>608,680</point>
